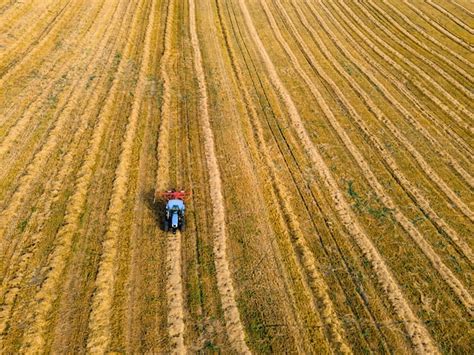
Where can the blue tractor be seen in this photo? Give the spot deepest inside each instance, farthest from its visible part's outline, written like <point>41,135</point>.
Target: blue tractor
<point>174,217</point>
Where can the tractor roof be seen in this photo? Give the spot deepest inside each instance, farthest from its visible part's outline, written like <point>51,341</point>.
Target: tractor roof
<point>175,202</point>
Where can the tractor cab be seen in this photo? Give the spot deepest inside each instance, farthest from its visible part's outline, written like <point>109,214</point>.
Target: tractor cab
<point>175,214</point>
<point>174,210</point>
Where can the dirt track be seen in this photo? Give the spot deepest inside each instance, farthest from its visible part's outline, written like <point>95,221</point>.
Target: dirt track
<point>327,145</point>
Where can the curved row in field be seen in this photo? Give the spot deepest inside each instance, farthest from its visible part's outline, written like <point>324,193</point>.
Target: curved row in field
<point>327,147</point>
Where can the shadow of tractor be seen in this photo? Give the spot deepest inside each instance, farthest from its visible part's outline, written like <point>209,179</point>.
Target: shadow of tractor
<point>157,207</point>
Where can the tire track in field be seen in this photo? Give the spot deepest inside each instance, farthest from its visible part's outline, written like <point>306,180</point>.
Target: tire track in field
<point>426,168</point>
<point>420,30</point>
<point>235,330</point>
<point>99,321</point>
<point>6,6</point>
<point>430,38</point>
<point>337,331</point>
<point>316,287</point>
<point>462,8</point>
<point>422,108</point>
<point>19,14</point>
<point>418,334</point>
<point>11,281</point>
<point>404,112</point>
<point>456,83</point>
<point>412,120</point>
<point>174,284</point>
<point>430,254</point>
<point>439,27</point>
<point>414,193</point>
<point>253,120</point>
<point>460,106</point>
<point>327,224</point>
<point>47,295</point>
<point>36,166</point>
<point>451,16</point>
<point>56,24</point>
<point>454,115</point>
<point>24,125</point>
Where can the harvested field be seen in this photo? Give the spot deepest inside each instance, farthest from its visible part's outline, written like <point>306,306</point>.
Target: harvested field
<point>327,145</point>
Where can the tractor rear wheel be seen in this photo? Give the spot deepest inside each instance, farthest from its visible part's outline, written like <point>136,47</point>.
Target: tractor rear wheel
<point>166,226</point>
